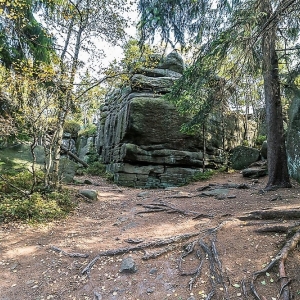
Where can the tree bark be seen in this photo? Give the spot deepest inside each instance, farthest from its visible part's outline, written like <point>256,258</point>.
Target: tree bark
<point>277,157</point>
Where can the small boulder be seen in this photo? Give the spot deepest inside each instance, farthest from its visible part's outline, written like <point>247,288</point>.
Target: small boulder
<point>153,271</point>
<point>242,157</point>
<point>264,150</point>
<point>128,265</point>
<point>173,62</point>
<point>90,194</point>
<point>254,172</point>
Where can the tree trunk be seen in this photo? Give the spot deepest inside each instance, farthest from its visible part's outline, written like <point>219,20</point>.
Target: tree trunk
<point>277,157</point>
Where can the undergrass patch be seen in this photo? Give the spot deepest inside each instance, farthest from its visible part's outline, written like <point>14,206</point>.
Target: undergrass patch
<point>199,176</point>
<point>97,168</point>
<point>208,174</point>
<point>16,204</point>
<point>36,207</point>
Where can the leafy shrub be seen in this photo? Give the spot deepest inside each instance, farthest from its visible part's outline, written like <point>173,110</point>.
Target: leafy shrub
<point>35,208</point>
<point>260,139</point>
<point>89,130</point>
<point>96,168</point>
<point>72,127</point>
<point>245,143</point>
<point>199,176</point>
<point>22,180</point>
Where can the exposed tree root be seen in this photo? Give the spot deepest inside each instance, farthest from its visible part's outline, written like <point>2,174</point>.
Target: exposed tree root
<point>241,186</point>
<point>56,249</point>
<point>155,243</point>
<point>288,214</point>
<point>158,253</point>
<point>169,208</point>
<point>280,259</point>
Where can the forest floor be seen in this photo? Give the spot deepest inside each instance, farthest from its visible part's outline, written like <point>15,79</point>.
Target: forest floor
<point>228,249</point>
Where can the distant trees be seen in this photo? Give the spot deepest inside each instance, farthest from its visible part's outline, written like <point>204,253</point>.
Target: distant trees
<point>44,79</point>
<point>232,40</point>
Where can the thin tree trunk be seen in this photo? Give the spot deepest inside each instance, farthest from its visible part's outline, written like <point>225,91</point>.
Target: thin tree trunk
<point>277,157</point>
<point>204,147</point>
<point>32,147</point>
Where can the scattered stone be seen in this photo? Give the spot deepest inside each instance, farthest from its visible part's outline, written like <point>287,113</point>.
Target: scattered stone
<point>143,194</point>
<point>153,271</point>
<point>243,186</point>
<point>231,196</point>
<point>191,298</point>
<point>14,266</point>
<point>276,197</point>
<point>87,181</point>
<point>128,265</point>
<point>221,197</point>
<point>90,194</point>
<point>150,290</point>
<point>254,172</point>
<point>30,282</point>
<point>215,193</point>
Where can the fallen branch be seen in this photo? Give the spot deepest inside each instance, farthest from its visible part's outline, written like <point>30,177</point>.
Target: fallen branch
<point>56,249</point>
<point>74,156</point>
<point>155,243</point>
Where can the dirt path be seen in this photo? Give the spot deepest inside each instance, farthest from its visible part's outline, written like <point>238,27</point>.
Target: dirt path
<point>30,269</point>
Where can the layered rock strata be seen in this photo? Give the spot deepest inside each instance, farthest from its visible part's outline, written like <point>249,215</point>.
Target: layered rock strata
<point>140,138</point>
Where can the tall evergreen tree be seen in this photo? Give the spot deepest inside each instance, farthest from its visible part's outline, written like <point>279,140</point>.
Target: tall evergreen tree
<point>21,35</point>
<point>251,29</point>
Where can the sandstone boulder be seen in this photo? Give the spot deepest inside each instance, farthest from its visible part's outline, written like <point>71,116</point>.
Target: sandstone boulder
<point>241,157</point>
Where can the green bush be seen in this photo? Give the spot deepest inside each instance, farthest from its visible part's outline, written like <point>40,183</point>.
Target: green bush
<point>36,207</point>
<point>96,168</point>
<point>40,206</point>
<point>260,139</point>
<point>72,127</point>
<point>22,180</point>
<point>199,176</point>
<point>89,130</point>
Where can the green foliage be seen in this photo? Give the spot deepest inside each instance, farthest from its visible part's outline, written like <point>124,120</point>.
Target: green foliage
<point>72,126</point>
<point>206,175</point>
<point>89,130</point>
<point>40,206</point>
<point>245,143</point>
<point>260,139</point>
<point>201,176</point>
<point>21,36</point>
<point>36,208</point>
<point>23,180</point>
<point>96,168</point>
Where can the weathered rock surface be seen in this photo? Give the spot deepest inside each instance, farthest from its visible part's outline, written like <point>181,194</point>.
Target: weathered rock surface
<point>255,172</point>
<point>128,265</point>
<point>90,194</point>
<point>242,157</point>
<point>140,139</point>
<point>264,150</point>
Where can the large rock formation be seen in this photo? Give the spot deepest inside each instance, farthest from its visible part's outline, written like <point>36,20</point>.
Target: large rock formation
<point>140,138</point>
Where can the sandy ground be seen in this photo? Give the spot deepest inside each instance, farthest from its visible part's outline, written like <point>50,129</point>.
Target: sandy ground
<point>31,269</point>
